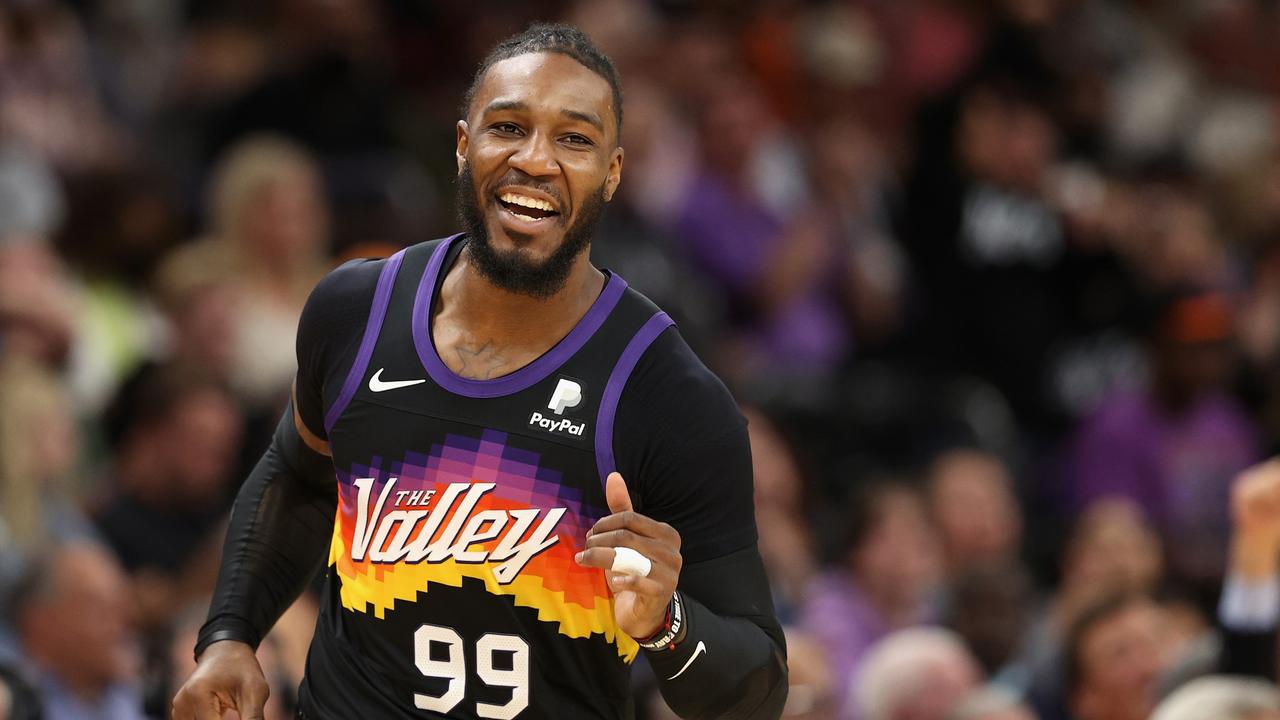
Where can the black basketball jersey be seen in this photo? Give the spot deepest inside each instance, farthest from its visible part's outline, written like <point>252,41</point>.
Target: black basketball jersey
<point>452,589</point>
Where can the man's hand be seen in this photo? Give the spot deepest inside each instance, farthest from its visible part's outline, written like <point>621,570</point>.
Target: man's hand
<point>1255,517</point>
<point>639,603</point>
<point>227,677</point>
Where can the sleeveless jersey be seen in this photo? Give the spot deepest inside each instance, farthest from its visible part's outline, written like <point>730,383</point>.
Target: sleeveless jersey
<point>452,589</point>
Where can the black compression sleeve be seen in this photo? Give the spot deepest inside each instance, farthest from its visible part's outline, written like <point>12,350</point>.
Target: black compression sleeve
<point>280,528</point>
<point>732,662</point>
<point>283,517</point>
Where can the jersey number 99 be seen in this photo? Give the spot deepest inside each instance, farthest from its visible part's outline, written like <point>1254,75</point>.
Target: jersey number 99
<point>454,669</point>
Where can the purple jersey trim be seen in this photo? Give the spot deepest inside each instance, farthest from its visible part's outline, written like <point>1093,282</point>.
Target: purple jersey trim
<point>644,337</point>
<point>526,376</point>
<point>377,312</point>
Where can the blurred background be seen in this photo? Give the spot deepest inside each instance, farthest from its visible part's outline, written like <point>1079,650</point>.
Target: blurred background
<point>996,281</point>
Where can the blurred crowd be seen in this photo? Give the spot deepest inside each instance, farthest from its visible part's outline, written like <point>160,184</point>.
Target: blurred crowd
<point>996,281</point>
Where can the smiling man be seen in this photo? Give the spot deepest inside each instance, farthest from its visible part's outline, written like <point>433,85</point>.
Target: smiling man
<point>536,479</point>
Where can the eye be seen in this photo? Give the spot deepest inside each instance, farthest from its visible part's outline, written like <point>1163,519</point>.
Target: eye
<point>506,128</point>
<point>576,139</point>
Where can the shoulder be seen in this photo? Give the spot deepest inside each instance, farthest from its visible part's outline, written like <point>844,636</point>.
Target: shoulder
<point>678,423</point>
<point>682,444</point>
<point>355,282</point>
<point>671,384</point>
<point>338,306</point>
<point>337,311</point>
<point>343,298</point>
<point>351,282</point>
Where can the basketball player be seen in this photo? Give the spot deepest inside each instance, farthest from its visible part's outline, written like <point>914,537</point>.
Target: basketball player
<point>536,478</point>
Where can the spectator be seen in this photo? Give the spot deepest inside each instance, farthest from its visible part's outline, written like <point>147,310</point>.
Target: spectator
<point>778,264</point>
<point>1117,649</point>
<point>37,307</point>
<point>786,544</point>
<point>887,577</point>
<point>1114,660</point>
<point>269,243</point>
<point>811,695</point>
<point>989,606</point>
<point>39,450</point>
<point>991,249</point>
<point>73,619</point>
<point>176,436</point>
<point>47,95</point>
<point>1173,448</point>
<point>915,674</point>
<point>1112,549</point>
<point>971,498</point>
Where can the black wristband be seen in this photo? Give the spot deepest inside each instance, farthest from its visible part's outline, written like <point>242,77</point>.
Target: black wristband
<point>673,629</point>
<point>226,633</point>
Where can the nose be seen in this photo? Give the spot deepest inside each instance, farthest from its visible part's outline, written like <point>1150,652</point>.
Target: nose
<point>535,156</point>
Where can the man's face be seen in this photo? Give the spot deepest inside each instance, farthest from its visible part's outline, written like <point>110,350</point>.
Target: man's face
<point>973,504</point>
<point>899,560</point>
<point>82,634</point>
<point>1120,665</point>
<point>537,159</point>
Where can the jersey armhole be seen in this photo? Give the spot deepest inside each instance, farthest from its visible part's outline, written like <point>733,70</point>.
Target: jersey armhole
<point>310,439</point>
<point>377,313</point>
<point>635,349</point>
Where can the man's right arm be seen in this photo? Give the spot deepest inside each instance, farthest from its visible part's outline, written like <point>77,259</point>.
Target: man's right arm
<point>280,525</point>
<point>282,520</point>
<point>280,529</point>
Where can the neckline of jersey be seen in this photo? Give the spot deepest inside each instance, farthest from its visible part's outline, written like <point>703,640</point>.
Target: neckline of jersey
<point>520,379</point>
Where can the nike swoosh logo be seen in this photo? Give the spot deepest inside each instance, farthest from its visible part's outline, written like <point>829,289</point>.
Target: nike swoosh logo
<point>377,384</point>
<point>696,652</point>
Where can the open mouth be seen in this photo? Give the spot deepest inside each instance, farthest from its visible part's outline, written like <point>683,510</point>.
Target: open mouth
<point>527,208</point>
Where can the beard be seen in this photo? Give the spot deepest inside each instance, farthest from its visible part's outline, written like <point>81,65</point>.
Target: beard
<point>512,270</point>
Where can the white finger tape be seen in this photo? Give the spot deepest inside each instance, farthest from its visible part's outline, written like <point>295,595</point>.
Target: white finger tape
<point>630,562</point>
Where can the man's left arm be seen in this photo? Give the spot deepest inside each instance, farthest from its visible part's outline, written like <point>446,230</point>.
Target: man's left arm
<point>731,661</point>
<point>703,612</point>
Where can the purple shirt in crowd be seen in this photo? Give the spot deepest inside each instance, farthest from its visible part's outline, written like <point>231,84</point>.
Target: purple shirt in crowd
<point>840,617</point>
<point>1178,469</point>
<point>733,238</point>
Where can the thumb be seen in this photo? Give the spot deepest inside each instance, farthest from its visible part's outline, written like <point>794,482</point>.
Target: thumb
<point>615,492</point>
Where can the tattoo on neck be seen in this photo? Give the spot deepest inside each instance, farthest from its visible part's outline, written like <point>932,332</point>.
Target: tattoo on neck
<point>480,363</point>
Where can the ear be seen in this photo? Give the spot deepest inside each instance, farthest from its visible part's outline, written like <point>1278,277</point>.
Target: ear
<point>463,142</point>
<point>614,177</point>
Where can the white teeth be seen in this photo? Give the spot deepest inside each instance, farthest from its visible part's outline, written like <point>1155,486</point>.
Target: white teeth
<point>528,202</point>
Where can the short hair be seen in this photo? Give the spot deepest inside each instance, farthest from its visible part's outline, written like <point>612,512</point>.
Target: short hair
<point>862,509</point>
<point>551,38</point>
<point>1219,698</point>
<point>42,577</point>
<point>892,670</point>
<point>151,394</point>
<point>1102,610</point>
<point>244,170</point>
